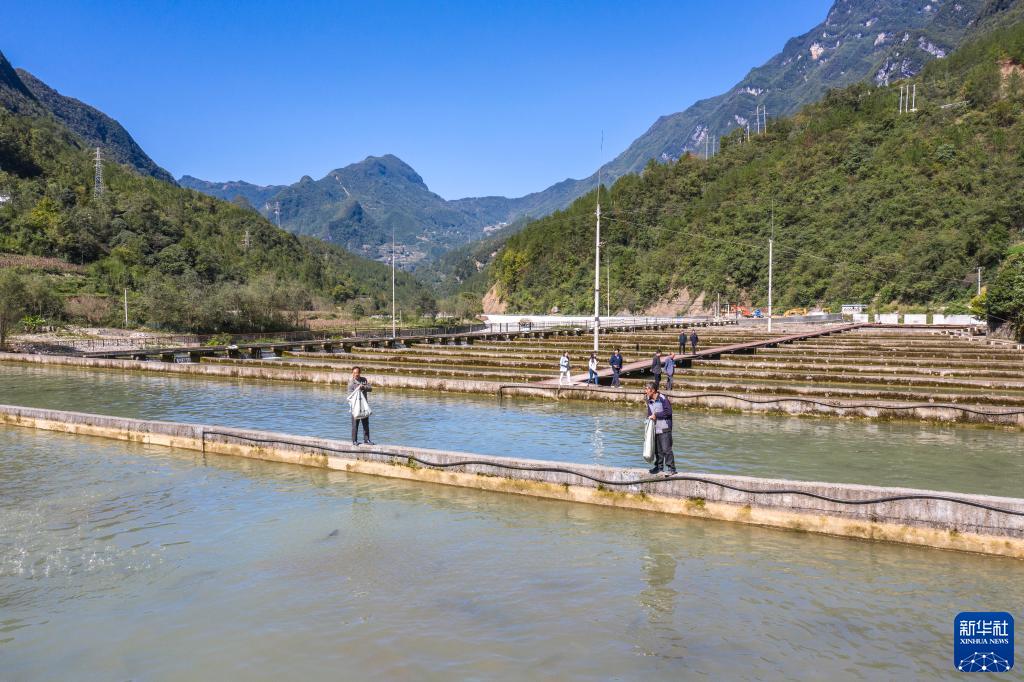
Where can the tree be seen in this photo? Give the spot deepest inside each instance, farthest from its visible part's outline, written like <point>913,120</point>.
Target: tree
<point>1004,297</point>
<point>12,301</point>
<point>426,306</point>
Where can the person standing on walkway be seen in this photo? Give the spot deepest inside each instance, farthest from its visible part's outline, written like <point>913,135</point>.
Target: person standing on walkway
<point>656,369</point>
<point>359,383</point>
<point>615,362</point>
<point>592,369</point>
<point>669,369</point>
<point>693,341</point>
<point>682,342</point>
<point>659,410</point>
<point>563,369</point>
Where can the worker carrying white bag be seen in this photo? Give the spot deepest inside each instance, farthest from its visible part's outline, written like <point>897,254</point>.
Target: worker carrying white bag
<point>649,441</point>
<point>358,387</point>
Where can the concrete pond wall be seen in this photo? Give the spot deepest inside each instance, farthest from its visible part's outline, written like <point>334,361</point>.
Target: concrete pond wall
<point>975,523</point>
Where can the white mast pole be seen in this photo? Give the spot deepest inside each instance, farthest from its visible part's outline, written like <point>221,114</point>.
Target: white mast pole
<point>393,330</point>
<point>597,268</point>
<point>597,258</point>
<point>771,241</point>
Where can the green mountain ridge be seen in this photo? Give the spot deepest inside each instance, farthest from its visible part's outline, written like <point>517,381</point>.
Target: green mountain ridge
<point>359,205</point>
<point>24,94</point>
<point>882,39</point>
<point>95,128</point>
<point>869,205</point>
<point>858,39</point>
<point>189,261</point>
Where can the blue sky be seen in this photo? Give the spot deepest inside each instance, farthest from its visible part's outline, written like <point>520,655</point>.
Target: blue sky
<point>479,97</point>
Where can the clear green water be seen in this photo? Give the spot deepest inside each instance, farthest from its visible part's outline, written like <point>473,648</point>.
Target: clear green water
<point>120,561</point>
<point>917,455</point>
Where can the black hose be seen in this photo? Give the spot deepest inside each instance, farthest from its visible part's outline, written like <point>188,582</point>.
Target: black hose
<point>602,481</point>
<point>755,401</point>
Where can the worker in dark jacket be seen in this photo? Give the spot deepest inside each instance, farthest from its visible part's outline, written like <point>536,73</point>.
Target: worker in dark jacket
<point>656,369</point>
<point>682,342</point>
<point>615,362</point>
<point>659,410</point>
<point>693,341</point>
<point>359,383</point>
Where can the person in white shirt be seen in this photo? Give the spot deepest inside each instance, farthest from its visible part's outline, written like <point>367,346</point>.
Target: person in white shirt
<point>563,369</point>
<point>592,369</point>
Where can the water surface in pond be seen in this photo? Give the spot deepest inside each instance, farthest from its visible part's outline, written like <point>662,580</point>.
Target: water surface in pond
<point>916,455</point>
<point>121,561</point>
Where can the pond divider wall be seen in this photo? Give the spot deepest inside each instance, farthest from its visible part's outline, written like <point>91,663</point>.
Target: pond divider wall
<point>975,523</point>
<point>761,403</point>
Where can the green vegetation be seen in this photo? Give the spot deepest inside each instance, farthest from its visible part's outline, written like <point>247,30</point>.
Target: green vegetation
<point>189,262</point>
<point>1003,300</point>
<point>361,205</point>
<point>12,306</point>
<point>869,205</point>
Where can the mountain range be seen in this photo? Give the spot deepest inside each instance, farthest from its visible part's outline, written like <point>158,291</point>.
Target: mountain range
<point>862,201</point>
<point>185,261</point>
<point>359,206</point>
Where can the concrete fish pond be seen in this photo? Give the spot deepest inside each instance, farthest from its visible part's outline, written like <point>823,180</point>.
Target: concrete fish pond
<point>121,560</point>
<point>981,460</point>
<point>976,523</point>
<point>878,373</point>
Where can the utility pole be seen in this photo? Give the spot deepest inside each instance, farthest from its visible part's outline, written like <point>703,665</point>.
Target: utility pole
<point>979,280</point>
<point>125,308</point>
<point>597,269</point>
<point>393,330</point>
<point>597,258</point>
<point>913,99</point>
<point>771,241</point>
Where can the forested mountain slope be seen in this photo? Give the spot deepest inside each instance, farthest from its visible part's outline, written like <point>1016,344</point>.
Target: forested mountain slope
<point>869,204</point>
<point>361,205</point>
<point>95,128</point>
<point>188,260</point>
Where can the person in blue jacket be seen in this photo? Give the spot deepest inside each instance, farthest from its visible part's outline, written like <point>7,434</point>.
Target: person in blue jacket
<point>659,410</point>
<point>615,362</point>
<point>669,370</point>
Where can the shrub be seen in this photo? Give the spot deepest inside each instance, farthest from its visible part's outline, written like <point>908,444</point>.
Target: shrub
<point>89,308</point>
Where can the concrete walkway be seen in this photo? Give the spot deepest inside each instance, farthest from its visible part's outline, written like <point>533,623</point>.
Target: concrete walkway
<point>976,523</point>
<point>684,360</point>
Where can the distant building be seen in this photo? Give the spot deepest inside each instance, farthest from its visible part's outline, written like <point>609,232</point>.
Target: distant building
<point>853,308</point>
